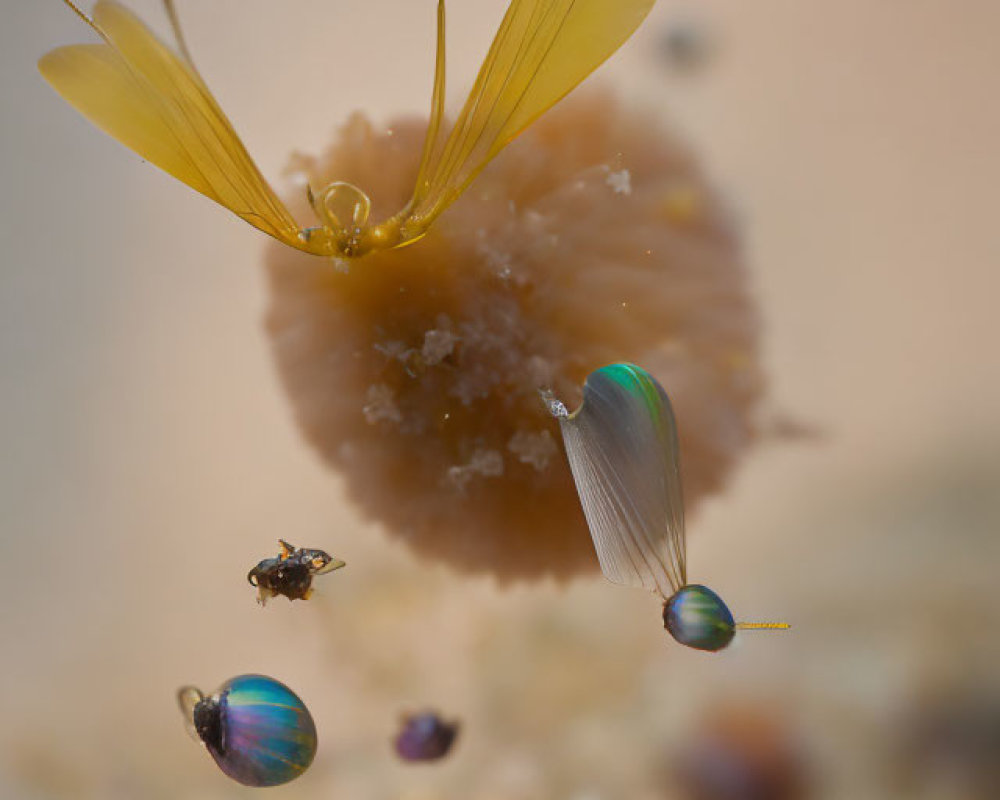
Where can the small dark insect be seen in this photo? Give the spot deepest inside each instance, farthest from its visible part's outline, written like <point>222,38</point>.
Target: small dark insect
<point>291,573</point>
<point>425,737</point>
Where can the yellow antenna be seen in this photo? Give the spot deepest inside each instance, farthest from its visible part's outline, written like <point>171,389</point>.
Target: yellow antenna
<point>175,24</point>
<point>763,626</point>
<point>80,14</point>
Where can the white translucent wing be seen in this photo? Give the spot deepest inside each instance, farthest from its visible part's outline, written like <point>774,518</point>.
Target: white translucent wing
<point>623,452</point>
<point>187,698</point>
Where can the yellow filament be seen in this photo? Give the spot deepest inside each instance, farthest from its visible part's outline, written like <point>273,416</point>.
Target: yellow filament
<point>763,626</point>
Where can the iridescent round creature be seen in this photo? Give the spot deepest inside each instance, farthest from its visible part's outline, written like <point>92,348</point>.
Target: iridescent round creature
<point>425,737</point>
<point>291,572</point>
<point>257,729</point>
<point>623,453</point>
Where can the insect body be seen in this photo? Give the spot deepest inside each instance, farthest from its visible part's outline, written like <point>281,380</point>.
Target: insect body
<point>697,617</point>
<point>258,731</point>
<point>623,452</point>
<point>291,572</point>
<point>154,101</point>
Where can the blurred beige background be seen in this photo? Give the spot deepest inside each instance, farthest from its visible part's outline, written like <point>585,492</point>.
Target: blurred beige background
<point>147,446</point>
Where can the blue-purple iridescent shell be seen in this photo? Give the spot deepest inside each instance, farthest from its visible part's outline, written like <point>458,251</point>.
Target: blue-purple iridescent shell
<point>266,734</point>
<point>697,617</point>
<point>425,737</point>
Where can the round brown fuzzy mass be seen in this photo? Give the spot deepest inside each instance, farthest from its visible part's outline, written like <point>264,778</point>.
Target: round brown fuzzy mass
<point>414,372</point>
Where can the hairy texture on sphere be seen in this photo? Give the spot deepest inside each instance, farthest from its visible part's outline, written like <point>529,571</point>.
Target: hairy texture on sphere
<point>594,238</point>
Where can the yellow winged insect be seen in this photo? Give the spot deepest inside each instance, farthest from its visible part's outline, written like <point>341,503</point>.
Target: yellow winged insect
<point>154,101</point>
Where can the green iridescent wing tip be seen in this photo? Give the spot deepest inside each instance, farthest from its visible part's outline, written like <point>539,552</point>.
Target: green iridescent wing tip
<point>623,452</point>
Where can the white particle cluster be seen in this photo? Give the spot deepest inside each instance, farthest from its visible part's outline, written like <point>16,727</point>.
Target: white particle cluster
<point>487,463</point>
<point>620,182</point>
<point>380,405</point>
<point>536,449</point>
<point>438,345</point>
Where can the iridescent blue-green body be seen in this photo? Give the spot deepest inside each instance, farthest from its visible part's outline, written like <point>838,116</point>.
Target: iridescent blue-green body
<point>258,731</point>
<point>697,617</point>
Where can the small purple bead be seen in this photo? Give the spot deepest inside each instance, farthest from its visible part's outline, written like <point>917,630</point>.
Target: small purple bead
<point>425,737</point>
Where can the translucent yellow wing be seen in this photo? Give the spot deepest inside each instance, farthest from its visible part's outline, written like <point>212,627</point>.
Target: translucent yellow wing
<point>136,89</point>
<point>544,48</point>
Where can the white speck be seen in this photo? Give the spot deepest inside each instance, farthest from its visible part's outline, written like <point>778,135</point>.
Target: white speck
<point>497,260</point>
<point>487,463</point>
<point>341,265</point>
<point>621,182</point>
<point>536,449</point>
<point>534,221</point>
<point>381,405</point>
<point>394,349</point>
<point>556,406</point>
<point>438,345</point>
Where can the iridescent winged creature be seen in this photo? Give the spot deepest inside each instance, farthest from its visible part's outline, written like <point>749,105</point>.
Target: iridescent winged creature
<point>153,100</point>
<point>624,456</point>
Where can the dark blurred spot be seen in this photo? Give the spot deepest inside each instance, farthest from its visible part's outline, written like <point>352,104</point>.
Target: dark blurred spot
<point>688,45</point>
<point>952,743</point>
<point>425,737</point>
<point>742,754</point>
